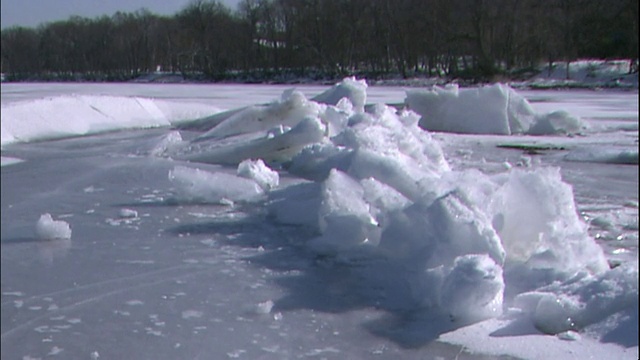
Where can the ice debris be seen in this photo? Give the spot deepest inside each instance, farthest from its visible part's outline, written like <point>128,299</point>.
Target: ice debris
<point>47,228</point>
<point>492,109</point>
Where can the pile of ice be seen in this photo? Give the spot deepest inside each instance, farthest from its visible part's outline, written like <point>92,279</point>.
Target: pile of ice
<point>379,195</point>
<point>65,116</point>
<point>48,229</point>
<point>493,109</point>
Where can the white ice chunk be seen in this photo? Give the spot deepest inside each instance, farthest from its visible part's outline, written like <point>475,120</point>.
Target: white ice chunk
<point>47,228</point>
<point>257,171</point>
<point>439,232</point>
<point>494,109</point>
<point>557,122</point>
<point>195,185</point>
<point>350,88</point>
<point>292,108</point>
<point>166,143</point>
<point>296,205</point>
<point>583,300</point>
<point>264,307</point>
<point>128,213</point>
<point>539,224</point>
<point>344,218</point>
<point>279,148</point>
<point>473,290</point>
<point>314,162</point>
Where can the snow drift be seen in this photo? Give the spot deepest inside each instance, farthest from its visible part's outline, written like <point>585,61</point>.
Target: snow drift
<point>65,116</point>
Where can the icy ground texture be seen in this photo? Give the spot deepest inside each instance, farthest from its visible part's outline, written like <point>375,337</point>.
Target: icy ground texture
<point>365,214</point>
<point>382,192</point>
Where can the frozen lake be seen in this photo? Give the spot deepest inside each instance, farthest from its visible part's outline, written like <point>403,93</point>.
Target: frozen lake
<point>200,281</point>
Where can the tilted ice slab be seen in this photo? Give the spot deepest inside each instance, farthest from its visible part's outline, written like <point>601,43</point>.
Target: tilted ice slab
<point>201,186</point>
<point>493,109</point>
<point>65,116</point>
<point>287,111</point>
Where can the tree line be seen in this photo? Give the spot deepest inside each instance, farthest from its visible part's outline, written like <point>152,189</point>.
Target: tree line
<point>325,39</point>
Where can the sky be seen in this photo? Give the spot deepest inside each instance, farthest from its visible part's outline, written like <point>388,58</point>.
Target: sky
<point>31,13</point>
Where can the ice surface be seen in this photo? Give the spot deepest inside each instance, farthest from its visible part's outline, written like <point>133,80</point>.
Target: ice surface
<point>367,223</point>
<point>47,228</point>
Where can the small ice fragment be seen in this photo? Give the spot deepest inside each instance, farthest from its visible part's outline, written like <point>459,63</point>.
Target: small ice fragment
<point>47,228</point>
<point>227,202</point>
<point>95,355</point>
<point>134,302</point>
<point>264,307</point>
<point>506,165</point>
<point>41,329</point>
<point>191,314</point>
<point>257,171</point>
<point>128,213</point>
<point>55,351</point>
<point>569,336</point>
<point>236,354</point>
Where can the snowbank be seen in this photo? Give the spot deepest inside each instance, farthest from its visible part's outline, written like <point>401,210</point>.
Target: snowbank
<point>493,109</point>
<point>65,116</point>
<point>585,74</point>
